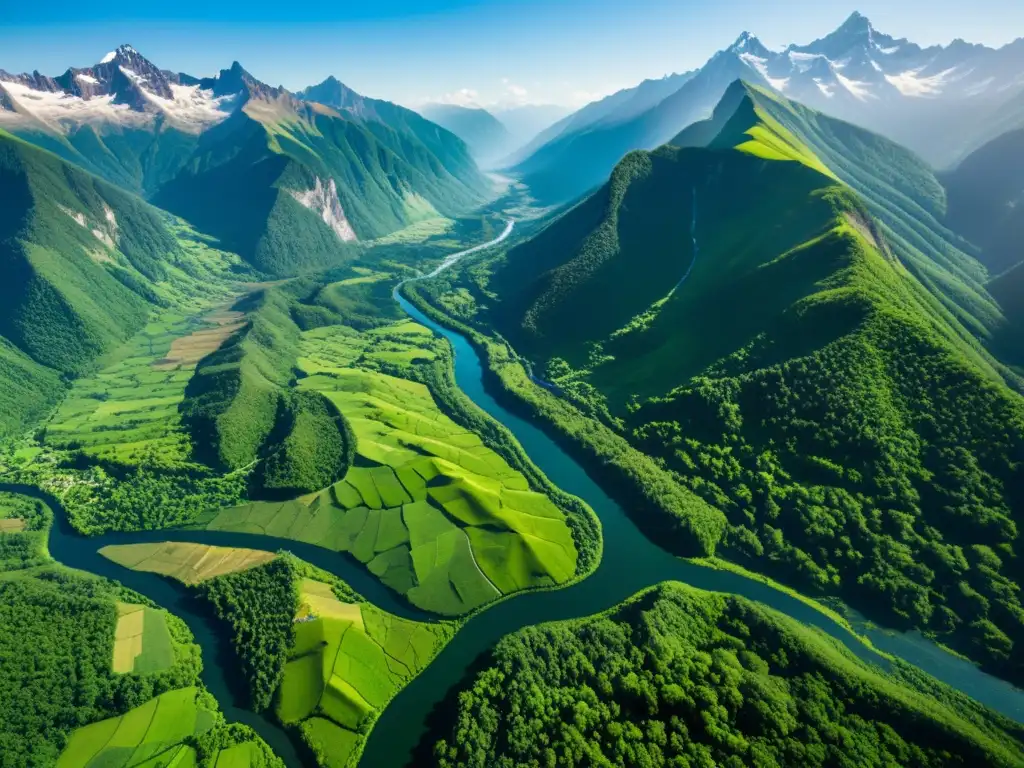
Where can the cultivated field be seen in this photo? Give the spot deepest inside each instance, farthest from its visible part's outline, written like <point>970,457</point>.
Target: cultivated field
<point>186,562</point>
<point>431,510</point>
<point>142,642</point>
<point>346,663</point>
<point>149,735</point>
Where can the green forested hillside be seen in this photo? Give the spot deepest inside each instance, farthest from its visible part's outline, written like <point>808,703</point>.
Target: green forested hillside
<point>1008,290</point>
<point>83,264</point>
<point>736,313</point>
<point>402,130</point>
<point>681,677</point>
<point>900,191</point>
<point>243,182</point>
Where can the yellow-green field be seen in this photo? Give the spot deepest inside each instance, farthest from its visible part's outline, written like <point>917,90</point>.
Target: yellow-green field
<point>188,563</point>
<point>346,663</point>
<point>149,735</point>
<point>142,642</point>
<point>432,511</point>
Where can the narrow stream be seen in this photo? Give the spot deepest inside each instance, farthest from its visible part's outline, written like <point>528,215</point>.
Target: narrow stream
<point>629,564</point>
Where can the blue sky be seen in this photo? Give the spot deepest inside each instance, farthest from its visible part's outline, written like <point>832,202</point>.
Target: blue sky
<point>516,51</point>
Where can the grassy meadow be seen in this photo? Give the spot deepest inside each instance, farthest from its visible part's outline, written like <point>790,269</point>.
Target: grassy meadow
<point>142,642</point>
<point>127,412</point>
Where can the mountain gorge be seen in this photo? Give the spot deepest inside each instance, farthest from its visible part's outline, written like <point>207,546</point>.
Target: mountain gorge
<point>485,135</point>
<point>938,101</point>
<point>294,180</point>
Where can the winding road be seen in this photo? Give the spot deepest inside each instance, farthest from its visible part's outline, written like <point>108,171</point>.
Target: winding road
<point>630,563</point>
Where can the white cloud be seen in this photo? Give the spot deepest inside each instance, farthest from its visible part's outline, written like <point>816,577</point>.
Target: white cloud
<point>464,97</point>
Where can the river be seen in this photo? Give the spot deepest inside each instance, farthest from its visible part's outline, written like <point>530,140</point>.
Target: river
<point>630,563</point>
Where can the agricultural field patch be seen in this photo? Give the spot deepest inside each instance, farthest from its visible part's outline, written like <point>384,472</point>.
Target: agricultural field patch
<point>20,513</point>
<point>346,662</point>
<point>142,642</point>
<point>128,411</point>
<point>189,350</point>
<point>188,563</point>
<point>428,508</point>
<point>151,734</point>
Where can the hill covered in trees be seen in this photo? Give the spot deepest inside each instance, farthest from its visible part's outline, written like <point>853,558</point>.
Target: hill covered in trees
<point>84,264</point>
<point>767,336</point>
<point>681,677</point>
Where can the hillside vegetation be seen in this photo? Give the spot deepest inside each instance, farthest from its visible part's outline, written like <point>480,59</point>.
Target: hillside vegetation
<point>85,265</point>
<point>736,313</point>
<point>681,677</point>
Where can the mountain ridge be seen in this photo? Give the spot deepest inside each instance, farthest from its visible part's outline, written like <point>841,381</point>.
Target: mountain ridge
<point>890,86</point>
<point>297,180</point>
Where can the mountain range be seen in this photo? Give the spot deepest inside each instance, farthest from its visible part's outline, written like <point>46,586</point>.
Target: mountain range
<point>119,178</point>
<point>295,180</point>
<point>940,101</point>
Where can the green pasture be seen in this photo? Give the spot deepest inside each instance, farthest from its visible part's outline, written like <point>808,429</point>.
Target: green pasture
<point>128,411</point>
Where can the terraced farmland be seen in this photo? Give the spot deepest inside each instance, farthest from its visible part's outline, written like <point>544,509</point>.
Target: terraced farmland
<point>128,411</point>
<point>188,563</point>
<point>142,642</point>
<point>346,663</point>
<point>432,511</point>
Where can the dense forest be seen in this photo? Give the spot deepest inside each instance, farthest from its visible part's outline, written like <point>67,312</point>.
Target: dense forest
<point>677,677</point>
<point>259,606</point>
<point>56,645</point>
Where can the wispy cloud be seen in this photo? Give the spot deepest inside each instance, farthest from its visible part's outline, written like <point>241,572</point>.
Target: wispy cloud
<point>464,97</point>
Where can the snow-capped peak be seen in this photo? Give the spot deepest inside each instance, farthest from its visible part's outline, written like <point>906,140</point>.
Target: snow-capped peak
<point>108,58</point>
<point>748,43</point>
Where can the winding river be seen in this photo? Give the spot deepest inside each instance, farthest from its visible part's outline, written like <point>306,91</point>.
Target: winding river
<point>630,563</point>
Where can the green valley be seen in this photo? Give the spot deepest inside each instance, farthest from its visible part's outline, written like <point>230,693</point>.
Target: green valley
<point>321,446</point>
<point>324,659</point>
<point>93,674</point>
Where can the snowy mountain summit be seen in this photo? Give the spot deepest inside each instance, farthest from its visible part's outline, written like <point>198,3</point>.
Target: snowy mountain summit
<point>857,62</point>
<point>123,87</point>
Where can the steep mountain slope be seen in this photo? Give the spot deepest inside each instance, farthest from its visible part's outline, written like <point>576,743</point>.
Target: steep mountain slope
<point>84,263</point>
<point>901,192</point>
<point>487,138</point>
<point>856,73</point>
<point>1008,290</point>
<point>286,183</point>
<point>403,131</point>
<point>986,193</point>
<point>735,312</point>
